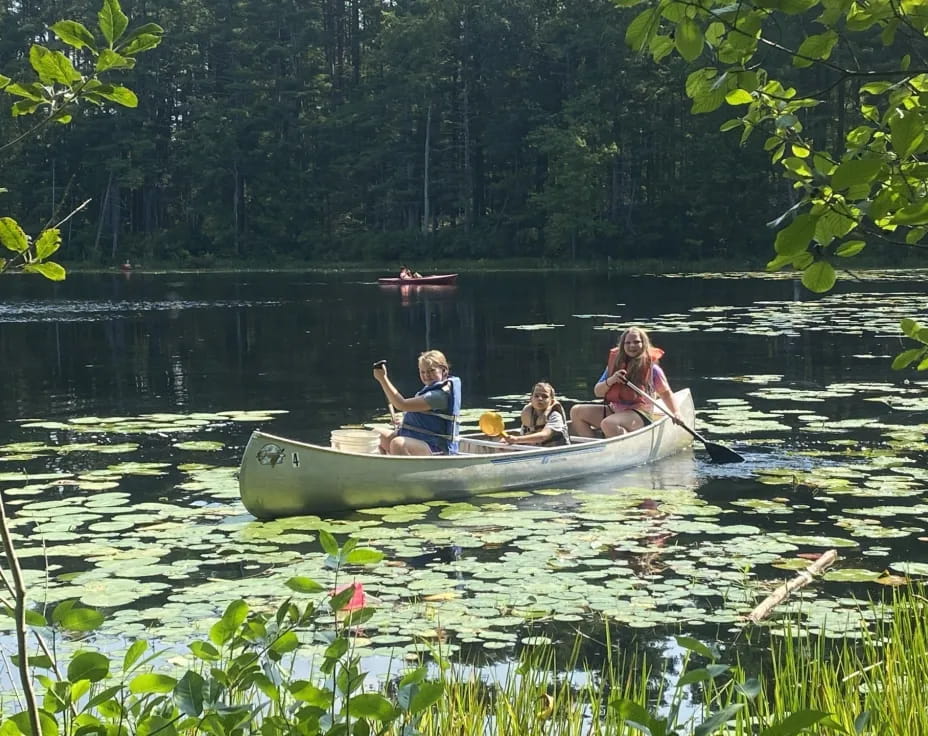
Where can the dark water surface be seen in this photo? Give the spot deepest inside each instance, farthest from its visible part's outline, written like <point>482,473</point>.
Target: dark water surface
<point>799,384</point>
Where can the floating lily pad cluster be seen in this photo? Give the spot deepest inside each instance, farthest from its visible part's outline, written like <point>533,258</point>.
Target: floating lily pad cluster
<point>140,516</point>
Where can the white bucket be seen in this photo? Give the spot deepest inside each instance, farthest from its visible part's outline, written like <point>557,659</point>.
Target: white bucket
<point>365,441</point>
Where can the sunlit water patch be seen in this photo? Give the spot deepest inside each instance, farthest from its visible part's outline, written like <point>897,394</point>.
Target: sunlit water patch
<point>64,310</point>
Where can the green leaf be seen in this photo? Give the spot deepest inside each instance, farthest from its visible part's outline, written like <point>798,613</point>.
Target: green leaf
<point>716,721</point>
<point>855,171</point>
<point>914,214</point>
<point>819,277</point>
<point>77,618</point>
<point>12,235</point>
<point>795,723</point>
<point>188,693</point>
<point>34,618</point>
<point>797,166</point>
<point>112,21</point>
<point>48,242</point>
<point>427,694</point>
<point>908,132</point>
<point>364,556</point>
<point>287,642</point>
<point>850,248</point>
<point>337,648</point>
<point>338,601</point>
<point>4,81</point>
<point>25,107</point>
<point>749,688</point>
<point>642,28</point>
<point>633,714</point>
<point>795,237</point>
<point>815,47</point>
<point>53,66</point>
<point>91,666</point>
<point>372,705</point>
<point>329,545</point>
<point>688,39</point>
<point>151,682</point>
<point>905,359</point>
<point>33,91</point>
<point>138,648</point>
<point>49,269</point>
<point>204,650</point>
<point>359,616</point>
<point>47,723</point>
<point>142,43</point>
<point>109,59</point>
<point>74,34</point>
<point>739,97</point>
<point>309,693</point>
<point>696,646</point>
<point>861,722</point>
<point>909,327</point>
<point>303,585</point>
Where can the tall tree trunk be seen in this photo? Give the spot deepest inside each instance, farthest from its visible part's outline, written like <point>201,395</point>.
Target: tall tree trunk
<point>425,171</point>
<point>355,42</point>
<point>103,211</point>
<point>235,202</point>
<point>115,214</point>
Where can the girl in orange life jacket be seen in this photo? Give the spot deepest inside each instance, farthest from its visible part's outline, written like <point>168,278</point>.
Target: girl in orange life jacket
<point>543,420</point>
<point>624,410</point>
<point>431,416</point>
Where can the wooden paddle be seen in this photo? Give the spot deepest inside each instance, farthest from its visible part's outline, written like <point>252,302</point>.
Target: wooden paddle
<point>492,425</point>
<point>718,453</point>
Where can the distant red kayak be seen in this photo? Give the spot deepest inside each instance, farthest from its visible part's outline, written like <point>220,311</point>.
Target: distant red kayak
<point>448,278</point>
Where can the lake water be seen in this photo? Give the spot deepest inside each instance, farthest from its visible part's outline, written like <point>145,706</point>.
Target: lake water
<point>128,400</point>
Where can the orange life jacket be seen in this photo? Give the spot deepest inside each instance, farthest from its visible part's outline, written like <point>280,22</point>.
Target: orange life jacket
<point>619,393</point>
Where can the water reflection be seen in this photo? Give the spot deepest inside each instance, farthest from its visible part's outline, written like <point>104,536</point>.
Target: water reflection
<point>834,448</point>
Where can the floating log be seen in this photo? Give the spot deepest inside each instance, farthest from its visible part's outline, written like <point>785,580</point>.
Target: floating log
<point>803,578</point>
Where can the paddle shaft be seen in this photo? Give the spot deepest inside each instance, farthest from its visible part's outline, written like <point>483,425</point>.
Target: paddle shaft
<point>718,453</point>
<point>666,411</point>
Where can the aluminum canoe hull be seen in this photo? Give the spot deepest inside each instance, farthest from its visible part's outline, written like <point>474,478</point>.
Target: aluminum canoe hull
<point>285,477</point>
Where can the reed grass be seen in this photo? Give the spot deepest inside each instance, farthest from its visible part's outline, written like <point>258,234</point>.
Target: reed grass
<point>811,684</point>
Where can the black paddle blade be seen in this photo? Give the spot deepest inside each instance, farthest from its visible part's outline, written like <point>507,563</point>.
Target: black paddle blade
<point>721,454</point>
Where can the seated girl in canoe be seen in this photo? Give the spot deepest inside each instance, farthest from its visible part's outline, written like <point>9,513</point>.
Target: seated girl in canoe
<point>623,410</point>
<point>430,418</point>
<point>544,421</point>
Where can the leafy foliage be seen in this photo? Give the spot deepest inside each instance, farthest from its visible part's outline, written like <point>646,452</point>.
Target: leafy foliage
<point>865,185</point>
<point>242,680</point>
<point>60,89</point>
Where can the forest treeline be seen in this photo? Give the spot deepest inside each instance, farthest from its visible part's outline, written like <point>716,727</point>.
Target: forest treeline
<point>334,130</point>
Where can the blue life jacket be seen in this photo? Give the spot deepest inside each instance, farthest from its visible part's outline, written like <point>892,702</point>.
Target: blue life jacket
<point>436,428</point>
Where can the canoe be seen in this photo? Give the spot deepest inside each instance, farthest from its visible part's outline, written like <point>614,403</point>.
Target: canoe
<point>439,280</point>
<point>285,477</point>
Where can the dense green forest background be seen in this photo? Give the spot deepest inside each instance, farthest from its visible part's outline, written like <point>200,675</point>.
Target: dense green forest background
<point>338,130</point>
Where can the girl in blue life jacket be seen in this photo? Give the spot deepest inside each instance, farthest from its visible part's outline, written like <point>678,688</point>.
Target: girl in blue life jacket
<point>430,418</point>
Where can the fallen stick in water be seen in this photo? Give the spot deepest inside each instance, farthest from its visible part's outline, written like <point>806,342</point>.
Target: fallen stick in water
<point>803,578</point>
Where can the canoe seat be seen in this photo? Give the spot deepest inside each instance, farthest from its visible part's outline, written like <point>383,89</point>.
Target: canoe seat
<point>479,446</point>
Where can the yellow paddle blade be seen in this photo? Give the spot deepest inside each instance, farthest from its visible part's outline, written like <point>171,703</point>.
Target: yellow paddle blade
<point>491,424</point>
